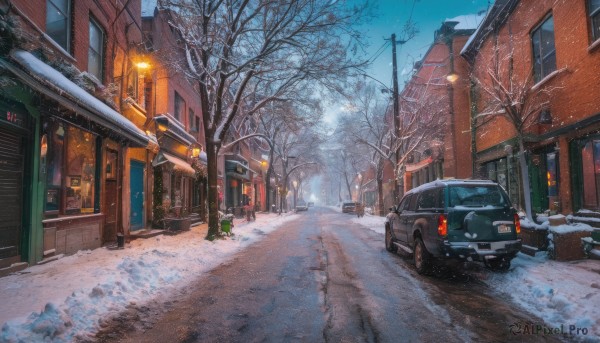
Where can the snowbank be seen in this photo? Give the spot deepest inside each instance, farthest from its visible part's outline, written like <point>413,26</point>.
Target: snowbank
<point>74,294</point>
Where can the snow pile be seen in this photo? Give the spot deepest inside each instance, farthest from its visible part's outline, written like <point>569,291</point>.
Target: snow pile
<point>374,223</point>
<point>77,292</point>
<point>558,292</point>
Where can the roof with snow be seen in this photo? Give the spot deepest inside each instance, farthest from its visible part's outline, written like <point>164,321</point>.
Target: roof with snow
<point>466,22</point>
<point>495,17</point>
<point>64,90</point>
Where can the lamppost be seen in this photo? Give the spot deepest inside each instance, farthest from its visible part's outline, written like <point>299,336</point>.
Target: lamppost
<point>359,187</point>
<point>295,184</point>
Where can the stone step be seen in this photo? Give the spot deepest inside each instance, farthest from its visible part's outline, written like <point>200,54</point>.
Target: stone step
<point>529,250</point>
<point>15,267</point>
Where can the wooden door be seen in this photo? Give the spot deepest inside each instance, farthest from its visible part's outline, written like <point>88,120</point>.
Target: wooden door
<point>111,196</point>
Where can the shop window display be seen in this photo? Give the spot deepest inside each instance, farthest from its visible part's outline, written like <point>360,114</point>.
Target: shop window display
<point>71,169</point>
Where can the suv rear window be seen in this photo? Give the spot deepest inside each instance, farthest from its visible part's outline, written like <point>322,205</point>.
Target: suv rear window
<point>430,199</point>
<point>477,196</point>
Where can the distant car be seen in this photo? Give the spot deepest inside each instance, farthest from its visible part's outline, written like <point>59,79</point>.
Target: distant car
<point>301,206</point>
<point>455,220</point>
<point>311,204</point>
<point>349,207</point>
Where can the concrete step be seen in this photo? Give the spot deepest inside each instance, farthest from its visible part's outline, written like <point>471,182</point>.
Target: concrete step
<point>15,267</point>
<point>529,250</point>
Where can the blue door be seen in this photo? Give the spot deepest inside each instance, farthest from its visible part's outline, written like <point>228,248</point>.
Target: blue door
<point>137,195</point>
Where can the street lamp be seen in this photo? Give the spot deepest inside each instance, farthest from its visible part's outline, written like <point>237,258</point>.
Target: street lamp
<point>452,77</point>
<point>295,184</point>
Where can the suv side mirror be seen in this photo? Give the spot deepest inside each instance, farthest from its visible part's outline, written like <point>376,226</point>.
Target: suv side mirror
<point>393,209</point>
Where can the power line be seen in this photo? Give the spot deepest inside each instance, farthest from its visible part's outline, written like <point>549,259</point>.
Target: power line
<point>378,52</point>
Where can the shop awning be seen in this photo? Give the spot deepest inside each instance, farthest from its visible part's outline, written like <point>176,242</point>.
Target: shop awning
<point>48,81</point>
<point>174,128</point>
<point>178,164</point>
<point>413,167</point>
<point>237,163</point>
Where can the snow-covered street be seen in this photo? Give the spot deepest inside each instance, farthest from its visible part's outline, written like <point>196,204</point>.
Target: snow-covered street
<point>562,293</point>
<point>69,299</point>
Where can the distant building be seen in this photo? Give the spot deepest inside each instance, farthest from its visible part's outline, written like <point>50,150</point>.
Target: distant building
<point>440,87</point>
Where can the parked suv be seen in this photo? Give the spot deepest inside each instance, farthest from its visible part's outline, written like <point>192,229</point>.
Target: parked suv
<point>455,220</point>
<point>349,207</point>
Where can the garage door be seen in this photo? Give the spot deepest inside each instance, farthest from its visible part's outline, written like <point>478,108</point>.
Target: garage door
<point>11,193</point>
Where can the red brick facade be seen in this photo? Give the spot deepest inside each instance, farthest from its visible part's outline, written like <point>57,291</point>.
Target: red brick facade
<point>573,104</point>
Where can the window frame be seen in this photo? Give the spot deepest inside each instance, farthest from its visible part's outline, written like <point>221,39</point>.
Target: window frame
<point>69,19</point>
<point>96,24</point>
<point>181,105</point>
<point>537,31</point>
<point>594,34</point>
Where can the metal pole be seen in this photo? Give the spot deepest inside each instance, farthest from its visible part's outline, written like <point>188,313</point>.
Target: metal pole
<point>396,115</point>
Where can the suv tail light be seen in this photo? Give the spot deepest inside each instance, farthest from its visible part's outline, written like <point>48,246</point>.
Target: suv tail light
<point>442,225</point>
<point>517,223</point>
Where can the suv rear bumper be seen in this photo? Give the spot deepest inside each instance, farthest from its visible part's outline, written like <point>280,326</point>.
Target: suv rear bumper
<point>480,250</point>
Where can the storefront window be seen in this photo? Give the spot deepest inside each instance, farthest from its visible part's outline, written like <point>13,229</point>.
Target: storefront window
<point>56,138</point>
<point>81,151</point>
<point>590,156</point>
<point>71,170</point>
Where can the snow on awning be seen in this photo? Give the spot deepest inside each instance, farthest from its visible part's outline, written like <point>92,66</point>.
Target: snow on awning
<point>68,94</point>
<point>174,128</point>
<point>237,163</point>
<point>178,164</point>
<point>203,158</point>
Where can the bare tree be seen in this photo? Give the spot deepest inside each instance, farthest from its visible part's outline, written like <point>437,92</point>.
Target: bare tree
<point>369,127</point>
<point>231,45</point>
<point>510,92</point>
<point>423,104</point>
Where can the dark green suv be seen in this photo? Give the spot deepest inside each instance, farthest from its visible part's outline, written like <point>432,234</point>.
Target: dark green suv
<point>455,220</point>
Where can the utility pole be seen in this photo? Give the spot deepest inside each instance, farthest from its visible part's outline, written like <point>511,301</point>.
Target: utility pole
<point>396,116</point>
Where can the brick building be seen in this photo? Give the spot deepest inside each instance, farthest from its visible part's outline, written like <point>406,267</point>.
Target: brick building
<point>550,46</point>
<point>66,68</point>
<point>174,106</point>
<point>439,91</point>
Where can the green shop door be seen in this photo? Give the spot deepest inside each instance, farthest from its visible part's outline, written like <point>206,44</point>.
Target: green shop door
<point>137,195</point>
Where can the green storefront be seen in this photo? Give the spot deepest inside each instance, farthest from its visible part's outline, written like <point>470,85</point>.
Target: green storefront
<point>20,189</point>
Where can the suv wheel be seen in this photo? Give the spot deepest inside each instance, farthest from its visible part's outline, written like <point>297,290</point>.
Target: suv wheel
<point>389,243</point>
<point>422,258</point>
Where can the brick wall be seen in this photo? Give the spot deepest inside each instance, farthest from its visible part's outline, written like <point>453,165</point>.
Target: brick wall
<point>575,87</point>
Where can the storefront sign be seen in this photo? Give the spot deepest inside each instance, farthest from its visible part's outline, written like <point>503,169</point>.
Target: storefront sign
<point>14,118</point>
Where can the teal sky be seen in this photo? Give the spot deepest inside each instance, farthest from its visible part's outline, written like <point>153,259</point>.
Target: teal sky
<point>428,16</point>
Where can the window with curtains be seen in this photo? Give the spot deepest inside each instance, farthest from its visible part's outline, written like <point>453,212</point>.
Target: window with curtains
<point>58,22</point>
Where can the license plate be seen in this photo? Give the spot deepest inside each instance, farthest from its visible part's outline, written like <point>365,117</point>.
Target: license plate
<point>484,246</point>
<point>503,228</point>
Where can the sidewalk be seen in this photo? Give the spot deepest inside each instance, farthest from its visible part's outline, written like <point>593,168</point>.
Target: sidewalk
<point>68,299</point>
